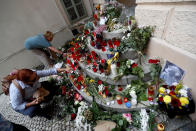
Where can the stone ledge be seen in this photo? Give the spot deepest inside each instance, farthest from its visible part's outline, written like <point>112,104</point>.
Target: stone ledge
<point>114,107</point>
<point>123,81</point>
<point>130,54</point>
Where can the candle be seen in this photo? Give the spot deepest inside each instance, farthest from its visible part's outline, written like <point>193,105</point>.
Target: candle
<point>113,69</point>
<point>125,100</point>
<point>128,104</point>
<point>160,127</point>
<point>150,93</point>
<point>119,99</point>
<point>120,88</point>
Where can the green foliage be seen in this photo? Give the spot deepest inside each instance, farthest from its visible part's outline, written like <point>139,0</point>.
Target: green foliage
<point>138,71</point>
<point>136,119</point>
<point>125,70</point>
<point>140,89</point>
<point>155,72</point>
<point>99,114</point>
<point>138,39</point>
<point>112,12</point>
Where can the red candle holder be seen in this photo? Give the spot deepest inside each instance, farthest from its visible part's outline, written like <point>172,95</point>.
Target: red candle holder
<point>150,93</point>
<point>119,99</point>
<point>125,100</point>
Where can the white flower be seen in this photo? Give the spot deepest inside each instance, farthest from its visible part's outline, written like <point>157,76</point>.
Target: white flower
<point>128,63</point>
<point>183,92</point>
<point>76,102</point>
<point>63,49</point>
<point>129,34</point>
<point>128,86</point>
<point>168,91</point>
<point>82,103</point>
<point>101,87</point>
<point>123,38</point>
<point>144,119</point>
<point>80,119</point>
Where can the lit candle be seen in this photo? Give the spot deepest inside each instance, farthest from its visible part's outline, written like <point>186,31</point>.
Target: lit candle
<point>150,93</point>
<point>119,99</point>
<point>160,127</point>
<point>125,100</point>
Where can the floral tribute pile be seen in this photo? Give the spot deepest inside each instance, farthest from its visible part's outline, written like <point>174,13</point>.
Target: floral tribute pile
<point>68,102</point>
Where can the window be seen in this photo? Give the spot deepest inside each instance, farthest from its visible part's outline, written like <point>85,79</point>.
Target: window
<point>74,9</point>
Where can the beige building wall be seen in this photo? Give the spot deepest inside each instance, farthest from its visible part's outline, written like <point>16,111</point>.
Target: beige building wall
<point>20,19</point>
<point>175,34</point>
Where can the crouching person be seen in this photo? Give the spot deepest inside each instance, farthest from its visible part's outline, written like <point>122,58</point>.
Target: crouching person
<point>23,86</point>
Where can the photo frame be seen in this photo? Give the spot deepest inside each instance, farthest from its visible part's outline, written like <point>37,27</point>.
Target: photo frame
<point>171,73</point>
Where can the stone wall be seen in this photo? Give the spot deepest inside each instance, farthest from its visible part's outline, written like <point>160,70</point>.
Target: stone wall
<point>175,21</point>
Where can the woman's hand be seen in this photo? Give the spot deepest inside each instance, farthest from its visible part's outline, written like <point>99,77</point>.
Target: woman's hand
<point>59,70</point>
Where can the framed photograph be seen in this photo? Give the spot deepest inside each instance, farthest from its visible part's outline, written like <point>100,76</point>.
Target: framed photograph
<point>171,73</point>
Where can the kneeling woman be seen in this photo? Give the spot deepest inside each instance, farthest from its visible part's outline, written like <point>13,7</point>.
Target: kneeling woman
<point>24,85</point>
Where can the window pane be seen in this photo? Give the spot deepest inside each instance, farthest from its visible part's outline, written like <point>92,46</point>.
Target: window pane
<point>77,1</point>
<point>67,3</point>
<point>72,13</point>
<point>80,10</point>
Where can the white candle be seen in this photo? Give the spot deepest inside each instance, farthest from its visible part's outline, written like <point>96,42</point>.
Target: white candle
<point>113,69</point>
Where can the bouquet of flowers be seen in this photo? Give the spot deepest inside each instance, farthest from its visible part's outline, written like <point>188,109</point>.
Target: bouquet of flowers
<point>176,99</point>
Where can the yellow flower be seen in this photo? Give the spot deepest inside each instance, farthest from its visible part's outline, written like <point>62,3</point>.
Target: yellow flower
<point>161,90</point>
<point>91,81</point>
<point>167,99</point>
<point>184,101</point>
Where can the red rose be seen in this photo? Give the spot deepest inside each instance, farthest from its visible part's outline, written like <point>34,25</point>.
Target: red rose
<point>95,16</point>
<point>103,49</point>
<point>99,82</point>
<point>73,116</point>
<point>175,102</point>
<point>93,34</point>
<point>172,87</point>
<point>117,43</point>
<point>86,32</point>
<point>101,70</point>
<point>120,88</point>
<point>133,65</point>
<point>68,61</point>
<point>106,92</point>
<point>78,87</point>
<point>102,61</point>
<point>172,93</point>
<point>63,90</point>
<point>94,69</point>
<point>80,78</point>
<point>161,99</point>
<point>153,61</point>
<point>118,64</point>
<point>95,64</point>
<point>93,43</point>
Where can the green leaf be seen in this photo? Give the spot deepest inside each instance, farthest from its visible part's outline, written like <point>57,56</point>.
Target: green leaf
<point>120,122</point>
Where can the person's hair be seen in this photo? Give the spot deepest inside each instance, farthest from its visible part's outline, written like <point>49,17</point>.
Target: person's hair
<point>48,34</point>
<point>24,75</point>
